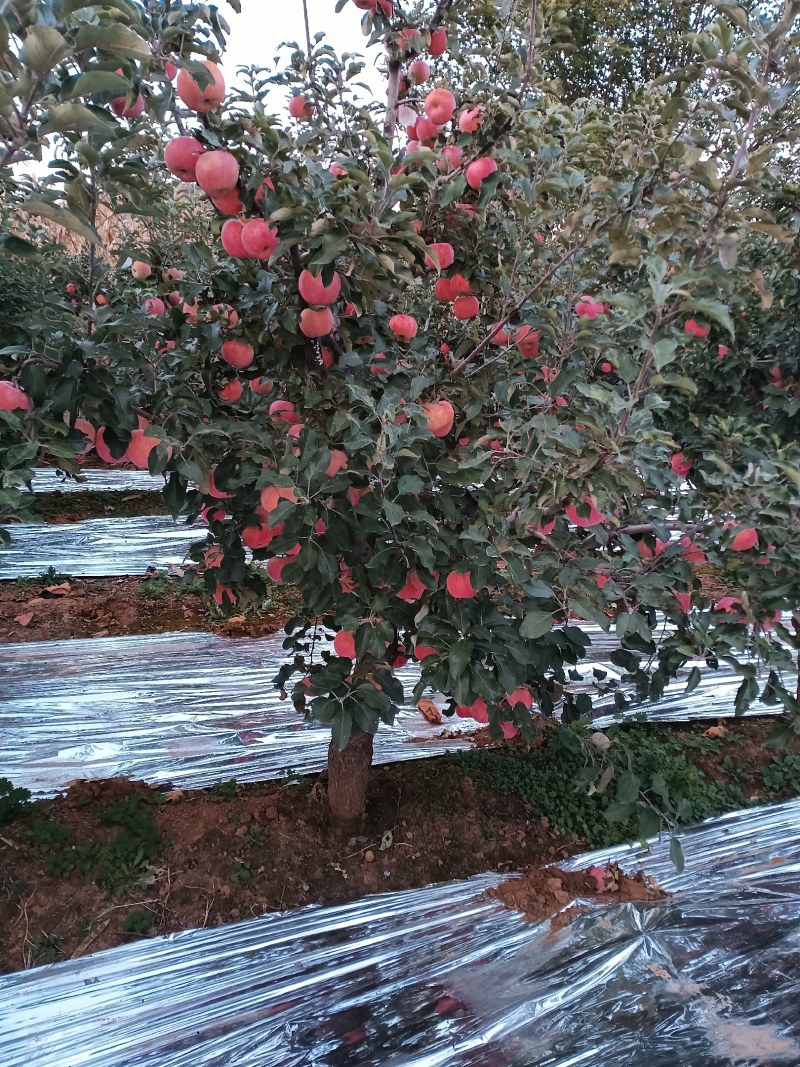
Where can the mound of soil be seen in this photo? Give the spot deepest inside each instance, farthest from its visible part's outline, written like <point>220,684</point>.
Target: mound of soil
<point>59,508</point>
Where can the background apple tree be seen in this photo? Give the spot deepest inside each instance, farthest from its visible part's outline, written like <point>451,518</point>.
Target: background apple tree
<point>466,366</point>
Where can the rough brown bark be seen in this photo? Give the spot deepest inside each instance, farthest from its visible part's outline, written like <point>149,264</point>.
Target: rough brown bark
<point>348,774</point>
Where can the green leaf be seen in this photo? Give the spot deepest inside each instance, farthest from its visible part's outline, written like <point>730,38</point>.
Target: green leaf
<point>536,624</point>
<point>115,38</point>
<point>628,788</point>
<point>459,657</point>
<point>714,310</point>
<point>676,855</point>
<point>97,82</point>
<point>68,7</point>
<point>693,680</point>
<point>43,48</point>
<point>341,729</point>
<point>61,216</point>
<point>649,824</point>
<point>393,512</point>
<point>72,117</point>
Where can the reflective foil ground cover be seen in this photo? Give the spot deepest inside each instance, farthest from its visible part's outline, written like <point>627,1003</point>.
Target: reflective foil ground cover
<point>195,709</point>
<point>709,977</point>
<point>97,548</point>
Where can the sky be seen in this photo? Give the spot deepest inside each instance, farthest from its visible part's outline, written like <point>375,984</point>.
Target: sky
<point>264,24</point>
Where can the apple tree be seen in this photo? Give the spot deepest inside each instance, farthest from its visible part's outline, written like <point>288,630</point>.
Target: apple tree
<point>448,368</point>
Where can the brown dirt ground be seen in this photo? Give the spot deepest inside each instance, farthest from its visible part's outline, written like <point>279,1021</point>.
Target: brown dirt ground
<point>59,507</point>
<point>239,851</point>
<point>268,849</point>
<point>111,607</point>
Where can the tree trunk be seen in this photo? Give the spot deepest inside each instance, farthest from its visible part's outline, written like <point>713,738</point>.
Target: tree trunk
<point>348,774</point>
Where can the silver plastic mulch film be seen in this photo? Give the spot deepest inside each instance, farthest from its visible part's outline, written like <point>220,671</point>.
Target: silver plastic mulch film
<point>97,548</point>
<point>709,977</point>
<point>50,480</point>
<point>195,709</point>
<point>190,709</point>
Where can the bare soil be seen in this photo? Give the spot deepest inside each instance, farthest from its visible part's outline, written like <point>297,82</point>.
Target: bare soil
<point>112,607</point>
<point>58,507</point>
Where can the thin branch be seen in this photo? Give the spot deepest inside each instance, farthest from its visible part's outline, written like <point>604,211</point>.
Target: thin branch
<point>392,93</point>
<point>308,40</point>
<point>531,49</point>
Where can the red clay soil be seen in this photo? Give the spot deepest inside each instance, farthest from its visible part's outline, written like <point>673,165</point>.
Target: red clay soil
<point>112,607</point>
<point>541,892</point>
<point>266,848</point>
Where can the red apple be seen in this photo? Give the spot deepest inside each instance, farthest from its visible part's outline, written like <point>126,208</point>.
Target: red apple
<point>404,327</point>
<point>231,235</point>
<point>480,169</point>
<point>12,398</point>
<point>466,307</point>
<point>419,71</point>
<point>443,252</point>
<point>197,99</point>
<point>439,106</point>
<point>316,323</point>
<point>141,270</point>
<point>217,172</point>
<point>300,107</point>
<point>313,291</point>
<point>746,539</point>
<point>231,391</point>
<point>459,585</point>
<point>470,119</point>
<point>259,239</point>
<point>238,354</point>
<point>438,43</point>
<point>439,417</point>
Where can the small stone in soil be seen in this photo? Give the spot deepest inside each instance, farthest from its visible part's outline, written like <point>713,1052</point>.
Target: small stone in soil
<point>369,856</point>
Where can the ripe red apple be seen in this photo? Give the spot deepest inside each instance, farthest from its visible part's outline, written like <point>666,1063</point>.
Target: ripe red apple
<point>71,288</point>
<point>444,290</point>
<point>680,464</point>
<point>172,274</point>
<point>422,652</point>
<point>231,391</point>
<point>438,43</point>
<point>314,292</point>
<point>466,307</point>
<point>445,254</point>
<point>478,711</point>
<point>170,69</point>
<point>300,107</point>
<point>174,298</point>
<point>262,386</point>
<point>439,417</point>
<point>746,539</point>
<point>500,337</point>
<point>191,311</point>
<point>316,322</point>
<point>419,71</point>
<point>606,367</point>
<point>259,239</point>
<point>337,170</point>
<point>223,594</point>
<point>217,172</point>
<point>439,106</point>
<point>338,462</point>
<point>412,590</point>
<point>101,299</point>
<point>459,585</point>
<point>426,131</point>
<point>283,411</point>
<point>229,315</point>
<point>141,270</point>
<point>104,452</point>
<point>238,354</point>
<point>470,119</point>
<point>480,169</point>
<point>181,155</point>
<point>449,157</point>
<point>344,644</point>
<point>118,106</point>
<point>594,518</point>
<point>139,449</point>
<point>231,235</point>
<point>197,99</point>
<point>229,202</point>
<point>153,305</point>
<point>404,327</point>
<point>589,309</point>
<point>527,341</point>
<point>12,398</point>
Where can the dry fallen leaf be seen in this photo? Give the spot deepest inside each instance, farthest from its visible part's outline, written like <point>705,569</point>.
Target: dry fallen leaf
<point>59,590</point>
<point>173,794</point>
<point>430,711</point>
<point>23,620</point>
<point>714,731</point>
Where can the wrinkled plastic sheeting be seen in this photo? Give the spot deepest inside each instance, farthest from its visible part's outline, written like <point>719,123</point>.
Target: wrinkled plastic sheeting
<point>98,548</point>
<point>51,480</point>
<point>188,709</point>
<point>709,977</point>
<point>195,709</point>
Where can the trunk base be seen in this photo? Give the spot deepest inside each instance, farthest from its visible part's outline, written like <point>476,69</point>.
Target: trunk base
<point>348,774</point>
